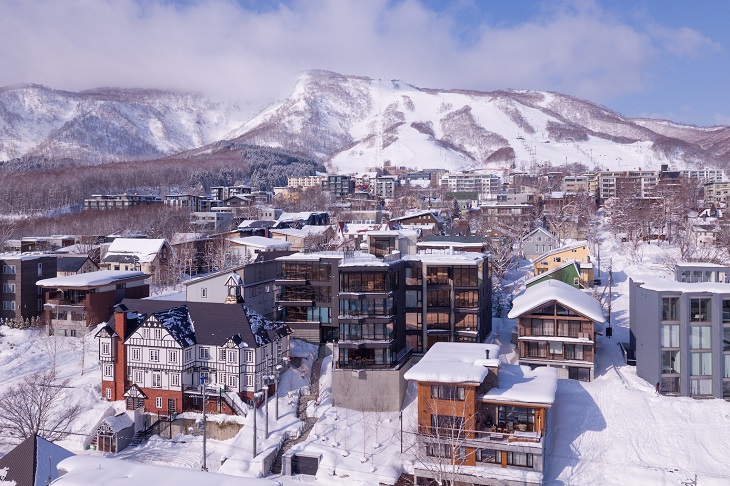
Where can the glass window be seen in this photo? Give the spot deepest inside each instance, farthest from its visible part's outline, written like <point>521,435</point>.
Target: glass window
<point>413,298</point>
<point>465,277</point>
<point>700,337</point>
<point>701,364</point>
<point>439,298</point>
<point>447,392</point>
<point>726,338</point>
<point>438,320</point>
<point>670,336</point>
<point>556,348</point>
<point>466,298</point>
<point>437,275</point>
<point>699,310</point>
<point>726,310</point>
<point>413,321</point>
<point>726,366</point>
<point>670,309</point>
<point>700,387</point>
<point>489,455</point>
<point>414,276</point>
<point>670,362</point>
<point>466,322</point>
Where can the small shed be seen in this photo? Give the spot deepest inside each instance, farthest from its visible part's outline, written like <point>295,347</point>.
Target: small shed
<point>115,433</point>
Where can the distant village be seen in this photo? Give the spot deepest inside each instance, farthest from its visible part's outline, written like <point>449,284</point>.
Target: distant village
<point>397,276</point>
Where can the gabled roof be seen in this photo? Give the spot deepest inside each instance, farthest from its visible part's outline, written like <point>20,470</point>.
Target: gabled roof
<point>71,263</point>
<point>28,463</point>
<point>260,242</point>
<point>550,253</point>
<point>540,230</point>
<point>556,291</point>
<point>438,218</point>
<point>206,323</point>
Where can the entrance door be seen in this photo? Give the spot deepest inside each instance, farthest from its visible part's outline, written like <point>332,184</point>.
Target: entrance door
<point>170,406</point>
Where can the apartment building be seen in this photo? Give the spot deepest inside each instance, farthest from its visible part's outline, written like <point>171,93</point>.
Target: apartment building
<point>339,185</point>
<point>119,201</point>
<point>152,355</point>
<point>680,335</point>
<point>22,298</point>
<point>717,193</point>
<point>628,183</point>
<point>384,186</point>
<point>480,421</point>
<point>574,184</point>
<point>485,185</point>
<point>75,303</point>
<point>556,327</point>
<point>305,181</point>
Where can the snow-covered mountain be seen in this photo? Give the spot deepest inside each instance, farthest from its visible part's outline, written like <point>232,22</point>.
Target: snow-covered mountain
<point>354,122</point>
<point>350,122</point>
<point>106,125</point>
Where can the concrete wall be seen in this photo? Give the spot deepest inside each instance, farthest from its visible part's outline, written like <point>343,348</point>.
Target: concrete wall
<point>214,430</point>
<point>370,388</point>
<point>645,321</point>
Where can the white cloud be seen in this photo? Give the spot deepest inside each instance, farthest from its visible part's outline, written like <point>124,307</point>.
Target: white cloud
<point>220,48</point>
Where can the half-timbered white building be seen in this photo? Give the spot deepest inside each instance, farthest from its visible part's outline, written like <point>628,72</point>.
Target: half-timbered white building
<point>155,353</point>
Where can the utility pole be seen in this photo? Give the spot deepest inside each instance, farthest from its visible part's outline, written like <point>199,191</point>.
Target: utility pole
<point>400,417</point>
<point>266,408</point>
<point>205,435</point>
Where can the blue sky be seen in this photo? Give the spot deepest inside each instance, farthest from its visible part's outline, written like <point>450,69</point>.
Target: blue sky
<point>666,59</point>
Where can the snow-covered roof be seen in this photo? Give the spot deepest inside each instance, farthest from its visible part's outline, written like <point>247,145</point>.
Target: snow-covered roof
<point>307,230</point>
<point>89,470</point>
<point>561,249</point>
<point>301,216</point>
<point>652,282</point>
<point>92,279</point>
<point>455,363</point>
<point>468,258</point>
<point>145,249</point>
<point>260,242</point>
<point>702,265</point>
<point>555,290</point>
<point>355,228</point>
<point>438,218</point>
<point>119,422</point>
<point>521,384</point>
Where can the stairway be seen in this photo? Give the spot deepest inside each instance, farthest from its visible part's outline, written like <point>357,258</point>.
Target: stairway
<point>144,434</point>
<point>276,466</point>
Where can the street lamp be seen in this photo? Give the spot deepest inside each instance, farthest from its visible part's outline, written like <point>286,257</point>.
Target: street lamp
<point>256,396</point>
<point>205,467</point>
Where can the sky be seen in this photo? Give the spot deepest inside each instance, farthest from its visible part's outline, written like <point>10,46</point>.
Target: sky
<point>642,58</point>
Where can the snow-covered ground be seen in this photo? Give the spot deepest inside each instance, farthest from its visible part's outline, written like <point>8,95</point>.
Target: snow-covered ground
<point>614,430</point>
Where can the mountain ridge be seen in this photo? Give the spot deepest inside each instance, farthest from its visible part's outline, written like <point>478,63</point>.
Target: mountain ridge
<point>349,122</point>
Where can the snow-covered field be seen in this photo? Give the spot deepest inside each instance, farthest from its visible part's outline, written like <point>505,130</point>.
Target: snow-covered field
<point>614,430</point>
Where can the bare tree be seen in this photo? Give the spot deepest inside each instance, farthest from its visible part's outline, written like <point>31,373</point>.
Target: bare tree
<point>38,405</point>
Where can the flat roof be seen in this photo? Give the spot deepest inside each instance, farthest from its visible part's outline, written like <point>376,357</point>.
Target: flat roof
<point>92,279</point>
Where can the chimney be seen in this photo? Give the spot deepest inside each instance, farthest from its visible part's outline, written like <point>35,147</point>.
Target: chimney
<point>120,352</point>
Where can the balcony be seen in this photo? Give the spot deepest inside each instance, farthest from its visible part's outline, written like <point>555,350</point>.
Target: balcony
<point>492,434</point>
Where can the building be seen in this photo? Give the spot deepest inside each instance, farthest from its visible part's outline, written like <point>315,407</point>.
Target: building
<point>448,245</point>
<point>221,193</point>
<point>211,220</point>
<point>32,462</point>
<point>384,186</point>
<point>626,184</point>
<point>556,327</point>
<point>119,201</point>
<point>480,421</point>
<point>717,193</point>
<point>192,202</point>
<point>555,258</point>
<point>568,272</point>
<point>448,298</point>
<point>680,335</point>
<point>22,298</point>
<point>305,181</point>
<point>67,264</point>
<point>302,239</point>
<point>251,284</point>
<point>249,247</point>
<point>487,186</point>
<point>574,184</point>
<point>151,256</point>
<point>77,302</point>
<point>428,221</point>
<point>339,185</point>
<point>152,355</point>
<point>538,242</point>
<point>701,272</point>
